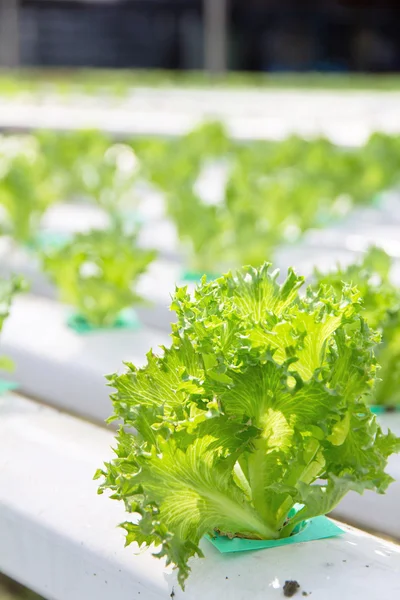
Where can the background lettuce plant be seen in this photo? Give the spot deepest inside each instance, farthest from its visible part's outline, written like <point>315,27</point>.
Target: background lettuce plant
<point>109,180</point>
<point>96,272</point>
<point>174,167</point>
<point>27,186</point>
<point>381,310</point>
<point>275,191</point>
<point>257,407</point>
<point>89,166</point>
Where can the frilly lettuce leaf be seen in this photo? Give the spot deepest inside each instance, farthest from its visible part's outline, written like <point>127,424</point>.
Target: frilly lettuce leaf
<point>381,310</point>
<point>257,406</point>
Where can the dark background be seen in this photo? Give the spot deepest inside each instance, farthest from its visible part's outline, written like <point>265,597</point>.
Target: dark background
<point>263,35</point>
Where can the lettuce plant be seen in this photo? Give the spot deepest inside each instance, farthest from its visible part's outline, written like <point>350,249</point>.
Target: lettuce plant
<point>257,408</point>
<point>277,191</point>
<point>381,310</point>
<point>88,165</point>
<point>73,157</point>
<point>170,164</point>
<point>96,273</point>
<point>109,180</point>
<point>174,166</point>
<point>268,209</point>
<point>26,186</point>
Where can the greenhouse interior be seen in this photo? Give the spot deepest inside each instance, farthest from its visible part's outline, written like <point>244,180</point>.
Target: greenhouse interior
<point>199,299</point>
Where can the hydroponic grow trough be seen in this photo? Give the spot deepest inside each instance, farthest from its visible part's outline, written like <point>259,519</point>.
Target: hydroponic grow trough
<point>59,366</point>
<point>258,114</point>
<point>60,539</point>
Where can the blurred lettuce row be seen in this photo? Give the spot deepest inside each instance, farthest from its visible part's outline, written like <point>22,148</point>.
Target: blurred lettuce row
<point>381,311</point>
<point>270,192</point>
<point>106,83</point>
<point>40,169</point>
<point>231,203</point>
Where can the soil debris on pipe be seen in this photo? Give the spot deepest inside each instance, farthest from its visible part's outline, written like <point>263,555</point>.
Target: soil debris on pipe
<point>290,588</point>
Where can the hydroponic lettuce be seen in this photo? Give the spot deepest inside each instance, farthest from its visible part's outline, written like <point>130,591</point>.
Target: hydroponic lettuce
<point>175,167</point>
<point>381,310</point>
<point>257,407</point>
<point>177,162</point>
<point>88,165</point>
<point>74,157</point>
<point>96,272</point>
<point>27,186</point>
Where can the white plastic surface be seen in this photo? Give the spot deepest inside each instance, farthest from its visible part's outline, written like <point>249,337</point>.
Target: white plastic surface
<point>155,231</point>
<point>60,539</point>
<point>305,259</point>
<point>346,117</point>
<point>21,261</point>
<point>69,217</point>
<point>358,237</point>
<point>57,365</point>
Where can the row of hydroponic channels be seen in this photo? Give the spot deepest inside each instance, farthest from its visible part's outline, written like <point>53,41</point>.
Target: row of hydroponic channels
<point>255,421</point>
